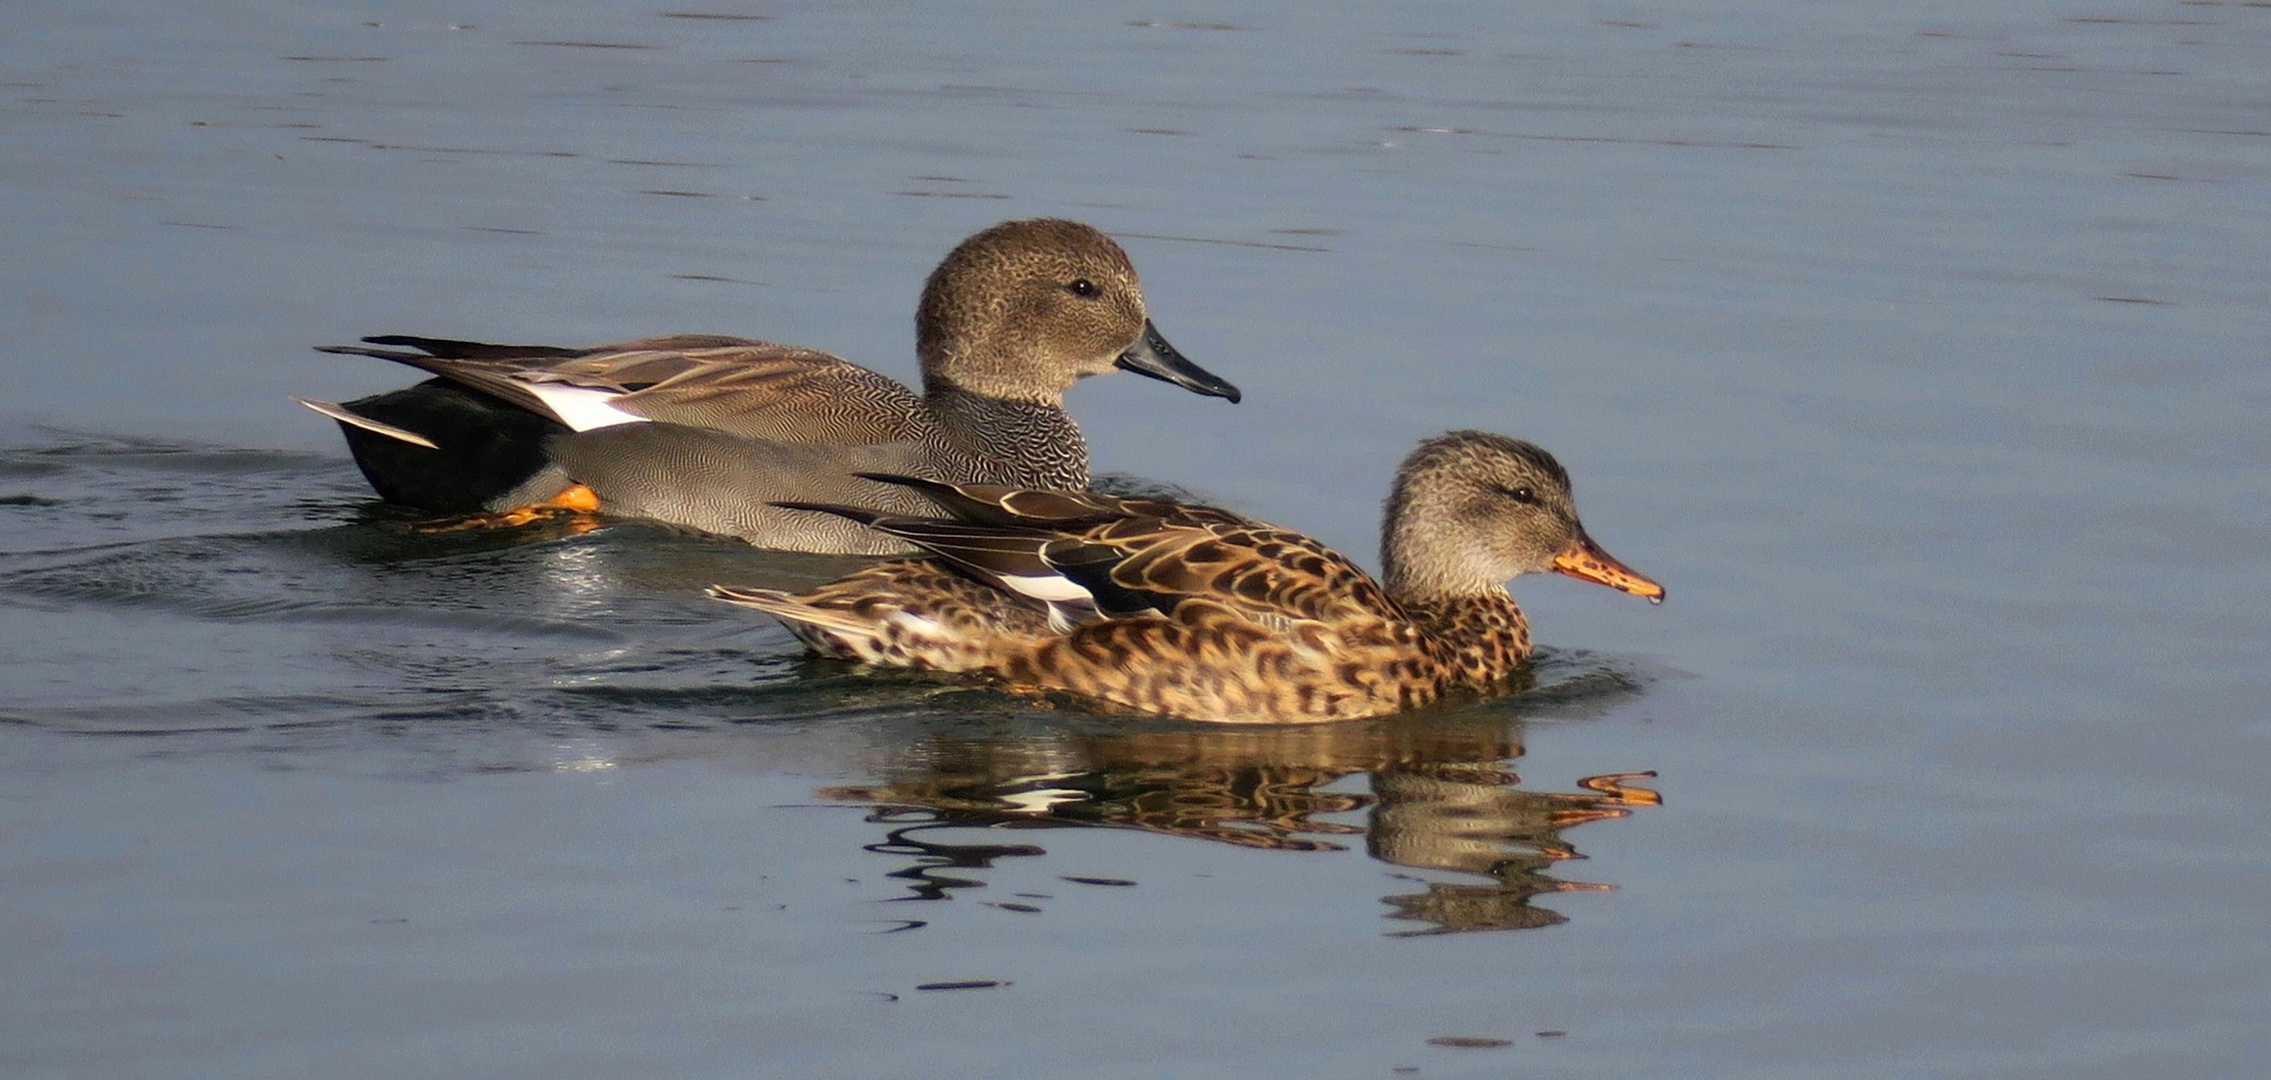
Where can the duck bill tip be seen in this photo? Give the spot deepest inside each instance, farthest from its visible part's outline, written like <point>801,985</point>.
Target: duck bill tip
<point>1153,357</point>
<point>1586,561</point>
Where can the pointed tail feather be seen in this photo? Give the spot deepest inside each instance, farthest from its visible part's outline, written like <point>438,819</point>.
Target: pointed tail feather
<point>787,608</point>
<point>453,349</point>
<point>399,357</point>
<point>487,376</point>
<point>345,416</point>
<point>761,599</point>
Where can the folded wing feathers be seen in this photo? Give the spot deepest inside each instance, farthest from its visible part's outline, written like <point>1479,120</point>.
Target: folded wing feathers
<point>742,386</point>
<point>1009,556</point>
<point>1092,567</point>
<point>994,504</point>
<point>1087,549</point>
<point>963,501</point>
<point>855,513</point>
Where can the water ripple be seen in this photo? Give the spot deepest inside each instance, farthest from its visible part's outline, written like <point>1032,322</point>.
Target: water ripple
<point>270,605</point>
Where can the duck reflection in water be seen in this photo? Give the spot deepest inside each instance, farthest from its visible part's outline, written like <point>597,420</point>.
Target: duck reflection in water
<point>1440,797</point>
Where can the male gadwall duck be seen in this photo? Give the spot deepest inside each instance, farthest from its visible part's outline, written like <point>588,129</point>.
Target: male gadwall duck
<point>709,432</point>
<point>1199,613</point>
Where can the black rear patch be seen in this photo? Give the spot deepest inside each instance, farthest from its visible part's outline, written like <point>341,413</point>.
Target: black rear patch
<point>487,447</point>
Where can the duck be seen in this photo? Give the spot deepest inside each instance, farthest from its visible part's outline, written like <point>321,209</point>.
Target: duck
<point>1169,608</point>
<point>707,432</point>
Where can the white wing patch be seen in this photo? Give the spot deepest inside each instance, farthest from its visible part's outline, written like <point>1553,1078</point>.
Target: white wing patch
<point>1049,587</point>
<point>583,408</point>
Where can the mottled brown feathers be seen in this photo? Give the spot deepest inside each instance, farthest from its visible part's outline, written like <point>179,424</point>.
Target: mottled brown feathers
<point>903,613</point>
<point>1191,611</point>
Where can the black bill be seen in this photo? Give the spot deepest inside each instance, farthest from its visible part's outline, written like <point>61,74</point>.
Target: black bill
<point>1151,355</point>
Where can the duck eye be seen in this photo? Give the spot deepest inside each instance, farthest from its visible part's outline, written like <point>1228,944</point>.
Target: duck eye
<point>1521,494</point>
<point>1082,287</point>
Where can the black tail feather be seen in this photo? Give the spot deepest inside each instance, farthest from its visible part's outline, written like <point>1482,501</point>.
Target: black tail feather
<point>412,359</point>
<point>923,484</point>
<point>948,498</point>
<point>453,349</point>
<point>1008,505</point>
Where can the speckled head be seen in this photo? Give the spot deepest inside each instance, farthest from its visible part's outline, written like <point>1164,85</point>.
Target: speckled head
<point>1024,309</point>
<point>1470,510</point>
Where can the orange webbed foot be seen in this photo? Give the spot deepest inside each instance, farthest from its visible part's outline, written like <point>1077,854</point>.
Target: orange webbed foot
<point>577,504</point>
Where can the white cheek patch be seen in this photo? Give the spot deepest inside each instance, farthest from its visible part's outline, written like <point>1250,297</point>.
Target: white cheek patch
<point>583,408</point>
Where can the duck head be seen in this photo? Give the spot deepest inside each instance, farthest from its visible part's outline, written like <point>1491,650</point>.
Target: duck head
<point>1025,309</point>
<point>1471,510</point>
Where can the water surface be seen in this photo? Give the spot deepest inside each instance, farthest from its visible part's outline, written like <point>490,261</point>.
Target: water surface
<point>1916,347</point>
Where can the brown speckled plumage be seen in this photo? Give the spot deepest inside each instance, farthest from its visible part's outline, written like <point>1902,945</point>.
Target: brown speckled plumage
<point>708,431</point>
<point>1201,613</point>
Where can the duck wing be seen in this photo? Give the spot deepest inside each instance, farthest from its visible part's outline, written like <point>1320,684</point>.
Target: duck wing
<point>753,389</point>
<point>1267,574</point>
<point>1128,557</point>
<point>453,349</point>
<point>999,504</point>
<point>1010,558</point>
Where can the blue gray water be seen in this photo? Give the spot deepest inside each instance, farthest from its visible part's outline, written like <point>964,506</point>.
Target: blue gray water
<point>1918,347</point>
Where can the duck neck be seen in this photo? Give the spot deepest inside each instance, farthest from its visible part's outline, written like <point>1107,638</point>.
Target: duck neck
<point>989,369</point>
<point>1472,623</point>
<point>1484,637</point>
<point>1021,443</point>
<point>1426,566</point>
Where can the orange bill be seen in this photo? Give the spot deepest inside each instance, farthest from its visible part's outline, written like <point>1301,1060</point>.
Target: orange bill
<point>1585,559</point>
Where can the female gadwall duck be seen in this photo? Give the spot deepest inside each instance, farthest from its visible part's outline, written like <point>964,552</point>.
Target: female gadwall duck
<point>1200,613</point>
<point>708,432</point>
